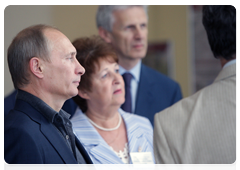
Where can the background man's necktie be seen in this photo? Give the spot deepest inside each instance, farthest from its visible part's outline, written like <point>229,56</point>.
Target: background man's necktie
<point>127,106</point>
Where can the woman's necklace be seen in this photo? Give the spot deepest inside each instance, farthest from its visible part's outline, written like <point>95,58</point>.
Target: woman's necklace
<point>105,129</point>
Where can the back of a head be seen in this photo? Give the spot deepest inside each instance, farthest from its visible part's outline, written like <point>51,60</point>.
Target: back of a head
<point>220,24</point>
<point>104,17</point>
<point>28,43</point>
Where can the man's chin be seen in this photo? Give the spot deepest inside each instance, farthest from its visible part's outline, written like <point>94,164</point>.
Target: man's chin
<point>73,94</point>
<point>138,57</point>
<point>139,54</point>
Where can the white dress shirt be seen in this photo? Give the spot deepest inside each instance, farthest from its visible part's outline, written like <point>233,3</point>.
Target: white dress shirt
<point>135,71</point>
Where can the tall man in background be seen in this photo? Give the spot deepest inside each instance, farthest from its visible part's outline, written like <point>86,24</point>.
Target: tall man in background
<point>147,91</point>
<point>43,65</point>
<point>202,127</point>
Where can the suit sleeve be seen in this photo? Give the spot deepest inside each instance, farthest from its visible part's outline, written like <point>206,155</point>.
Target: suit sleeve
<point>21,148</point>
<point>162,151</point>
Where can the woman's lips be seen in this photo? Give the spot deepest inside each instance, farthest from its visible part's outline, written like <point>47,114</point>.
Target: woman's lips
<point>117,91</point>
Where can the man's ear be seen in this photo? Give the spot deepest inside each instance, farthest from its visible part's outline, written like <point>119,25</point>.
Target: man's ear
<point>83,94</point>
<point>104,34</point>
<point>36,67</point>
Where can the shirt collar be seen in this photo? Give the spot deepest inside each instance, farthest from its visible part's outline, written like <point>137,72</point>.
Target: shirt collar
<point>135,71</point>
<point>229,63</point>
<point>39,105</point>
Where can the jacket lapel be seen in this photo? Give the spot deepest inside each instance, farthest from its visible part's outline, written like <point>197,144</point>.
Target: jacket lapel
<point>57,141</point>
<point>97,148</point>
<point>48,130</point>
<point>144,97</point>
<point>83,151</point>
<point>137,139</point>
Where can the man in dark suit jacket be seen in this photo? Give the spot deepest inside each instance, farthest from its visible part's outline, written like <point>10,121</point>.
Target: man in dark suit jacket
<point>125,27</point>
<point>42,62</point>
<point>153,83</point>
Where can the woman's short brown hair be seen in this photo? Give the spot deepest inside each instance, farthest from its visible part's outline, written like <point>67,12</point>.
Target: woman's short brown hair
<point>90,50</point>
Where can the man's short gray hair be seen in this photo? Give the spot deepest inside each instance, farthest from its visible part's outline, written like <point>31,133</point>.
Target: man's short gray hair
<point>105,18</point>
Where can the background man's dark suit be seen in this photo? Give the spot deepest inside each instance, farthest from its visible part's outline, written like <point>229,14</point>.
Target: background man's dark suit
<point>152,83</point>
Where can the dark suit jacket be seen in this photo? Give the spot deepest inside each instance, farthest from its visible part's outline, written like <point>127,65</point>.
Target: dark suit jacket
<point>155,93</point>
<point>30,139</point>
<point>69,106</point>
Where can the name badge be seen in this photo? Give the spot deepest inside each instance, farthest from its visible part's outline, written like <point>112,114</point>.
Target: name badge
<point>141,157</point>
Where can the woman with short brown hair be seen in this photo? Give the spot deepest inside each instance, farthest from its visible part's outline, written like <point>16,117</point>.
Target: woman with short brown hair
<point>108,133</point>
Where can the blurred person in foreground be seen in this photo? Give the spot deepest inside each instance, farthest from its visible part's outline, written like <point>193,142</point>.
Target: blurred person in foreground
<point>108,133</point>
<point>125,27</point>
<point>202,128</point>
<point>44,69</point>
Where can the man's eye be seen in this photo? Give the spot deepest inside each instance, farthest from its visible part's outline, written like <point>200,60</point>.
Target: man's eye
<point>143,25</point>
<point>130,27</point>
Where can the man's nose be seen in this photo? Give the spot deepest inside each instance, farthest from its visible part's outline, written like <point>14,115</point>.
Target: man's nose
<point>80,69</point>
<point>138,34</point>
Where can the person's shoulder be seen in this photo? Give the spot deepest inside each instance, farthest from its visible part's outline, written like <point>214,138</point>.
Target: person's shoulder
<point>143,123</point>
<point>136,119</point>
<point>11,96</point>
<point>18,124</point>
<point>9,102</point>
<point>17,119</point>
<point>139,118</point>
<point>151,70</point>
<point>184,106</point>
<point>156,75</point>
<point>15,116</point>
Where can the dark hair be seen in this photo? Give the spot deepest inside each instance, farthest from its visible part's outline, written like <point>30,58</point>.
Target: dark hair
<point>28,43</point>
<point>220,24</point>
<point>89,53</point>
